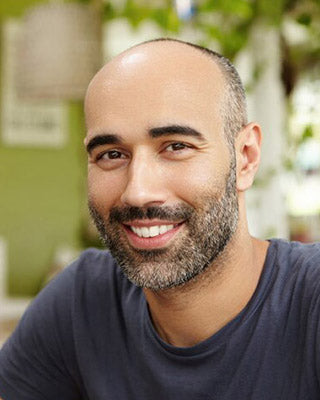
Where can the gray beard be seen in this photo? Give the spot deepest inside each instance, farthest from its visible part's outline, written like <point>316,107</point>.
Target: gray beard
<point>208,230</point>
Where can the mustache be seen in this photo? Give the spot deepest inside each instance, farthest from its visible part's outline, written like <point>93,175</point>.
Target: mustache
<point>130,213</point>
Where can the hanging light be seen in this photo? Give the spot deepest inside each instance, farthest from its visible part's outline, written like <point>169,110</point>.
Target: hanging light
<point>59,51</point>
<point>185,9</point>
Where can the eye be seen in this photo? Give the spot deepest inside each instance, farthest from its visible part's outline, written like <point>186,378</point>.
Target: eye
<point>111,159</point>
<point>111,155</point>
<point>178,151</point>
<point>173,147</point>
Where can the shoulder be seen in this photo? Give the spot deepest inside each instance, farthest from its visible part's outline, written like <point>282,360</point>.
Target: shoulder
<point>296,267</point>
<point>297,255</point>
<point>79,306</point>
<point>93,266</point>
<point>93,276</point>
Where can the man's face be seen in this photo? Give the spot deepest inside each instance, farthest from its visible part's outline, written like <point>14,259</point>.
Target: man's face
<point>162,181</point>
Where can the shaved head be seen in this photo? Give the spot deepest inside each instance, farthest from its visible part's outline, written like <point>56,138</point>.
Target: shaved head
<point>233,102</point>
<point>234,109</point>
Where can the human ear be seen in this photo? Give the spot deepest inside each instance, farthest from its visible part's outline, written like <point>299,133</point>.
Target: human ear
<point>248,150</point>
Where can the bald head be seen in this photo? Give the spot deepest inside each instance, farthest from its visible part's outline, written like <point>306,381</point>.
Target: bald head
<point>234,109</point>
<point>168,61</point>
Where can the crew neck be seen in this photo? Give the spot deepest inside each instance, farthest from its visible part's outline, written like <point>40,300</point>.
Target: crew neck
<point>220,338</point>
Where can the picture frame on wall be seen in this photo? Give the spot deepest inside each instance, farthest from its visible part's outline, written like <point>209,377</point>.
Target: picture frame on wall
<point>26,122</point>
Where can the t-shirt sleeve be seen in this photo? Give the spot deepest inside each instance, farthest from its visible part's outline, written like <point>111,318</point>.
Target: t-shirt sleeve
<point>38,360</point>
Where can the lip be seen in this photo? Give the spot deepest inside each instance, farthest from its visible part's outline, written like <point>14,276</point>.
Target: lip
<point>150,222</point>
<point>155,242</point>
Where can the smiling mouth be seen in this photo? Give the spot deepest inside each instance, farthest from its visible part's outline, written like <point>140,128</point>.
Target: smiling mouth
<point>145,234</point>
<point>152,231</point>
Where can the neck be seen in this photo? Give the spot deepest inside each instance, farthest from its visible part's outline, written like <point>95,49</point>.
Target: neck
<point>186,315</point>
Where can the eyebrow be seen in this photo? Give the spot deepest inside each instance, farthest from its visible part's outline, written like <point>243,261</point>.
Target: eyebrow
<point>100,140</point>
<point>154,133</point>
<point>175,130</point>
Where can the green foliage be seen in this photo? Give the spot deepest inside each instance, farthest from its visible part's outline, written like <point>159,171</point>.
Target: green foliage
<point>304,19</point>
<point>108,12</point>
<point>270,11</point>
<point>167,19</point>
<point>227,22</point>
<point>308,133</point>
<point>240,8</point>
<point>137,12</point>
<point>294,144</point>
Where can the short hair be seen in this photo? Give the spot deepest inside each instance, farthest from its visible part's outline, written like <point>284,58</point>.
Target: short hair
<point>234,108</point>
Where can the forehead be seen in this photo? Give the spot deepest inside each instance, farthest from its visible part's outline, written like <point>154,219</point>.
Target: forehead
<point>156,84</point>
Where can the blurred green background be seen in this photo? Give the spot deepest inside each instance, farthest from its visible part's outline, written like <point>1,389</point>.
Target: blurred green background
<point>42,193</point>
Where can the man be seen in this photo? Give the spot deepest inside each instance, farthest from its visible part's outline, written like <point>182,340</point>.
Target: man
<point>189,305</point>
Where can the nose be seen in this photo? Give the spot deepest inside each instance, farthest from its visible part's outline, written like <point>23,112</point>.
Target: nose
<point>145,184</point>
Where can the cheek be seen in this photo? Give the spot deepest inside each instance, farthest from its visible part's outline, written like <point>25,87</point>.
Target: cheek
<point>104,190</point>
<point>191,182</point>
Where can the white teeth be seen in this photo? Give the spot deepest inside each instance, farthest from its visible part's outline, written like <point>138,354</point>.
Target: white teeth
<point>145,232</point>
<point>163,229</point>
<point>152,231</point>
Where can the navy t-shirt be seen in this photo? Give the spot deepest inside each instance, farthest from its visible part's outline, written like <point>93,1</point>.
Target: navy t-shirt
<point>88,335</point>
